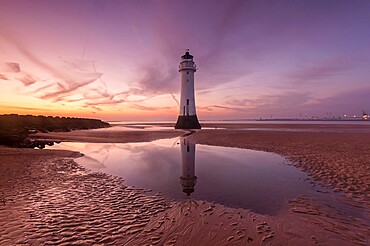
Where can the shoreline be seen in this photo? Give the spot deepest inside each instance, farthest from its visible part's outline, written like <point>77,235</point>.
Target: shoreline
<point>41,195</point>
<point>106,136</point>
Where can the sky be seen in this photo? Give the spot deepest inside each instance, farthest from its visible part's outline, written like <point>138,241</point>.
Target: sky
<point>118,60</point>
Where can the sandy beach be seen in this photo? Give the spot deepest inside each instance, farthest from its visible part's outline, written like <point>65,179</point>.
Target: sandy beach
<point>48,199</point>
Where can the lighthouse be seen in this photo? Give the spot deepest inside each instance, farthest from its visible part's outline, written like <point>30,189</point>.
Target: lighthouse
<point>187,116</point>
<point>188,178</point>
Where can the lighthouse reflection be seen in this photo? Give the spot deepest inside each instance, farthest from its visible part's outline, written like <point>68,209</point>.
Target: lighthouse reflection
<point>188,178</point>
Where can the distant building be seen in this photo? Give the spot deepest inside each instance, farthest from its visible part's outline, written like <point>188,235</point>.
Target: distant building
<point>365,116</point>
<point>187,116</point>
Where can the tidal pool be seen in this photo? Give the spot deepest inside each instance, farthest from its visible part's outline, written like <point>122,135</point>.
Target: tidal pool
<point>179,169</point>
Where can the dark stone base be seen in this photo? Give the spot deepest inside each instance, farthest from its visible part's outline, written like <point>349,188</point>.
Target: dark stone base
<point>187,122</point>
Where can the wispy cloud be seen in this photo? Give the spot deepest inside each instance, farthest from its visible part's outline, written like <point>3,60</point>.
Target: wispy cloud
<point>294,104</point>
<point>149,108</point>
<point>66,87</point>
<point>228,108</point>
<point>241,102</point>
<point>68,77</point>
<point>158,80</point>
<point>283,104</point>
<point>27,79</point>
<point>346,102</point>
<point>9,67</point>
<point>104,101</point>
<point>175,99</point>
<point>4,106</point>
<point>3,77</point>
<point>321,70</point>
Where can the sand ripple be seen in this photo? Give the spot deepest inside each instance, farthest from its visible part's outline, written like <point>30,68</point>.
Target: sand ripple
<point>64,204</point>
<point>47,199</point>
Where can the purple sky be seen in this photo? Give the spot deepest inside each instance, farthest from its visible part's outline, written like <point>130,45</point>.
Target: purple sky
<point>119,59</point>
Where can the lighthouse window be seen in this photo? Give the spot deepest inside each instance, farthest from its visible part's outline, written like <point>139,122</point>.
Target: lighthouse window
<point>187,72</point>
<point>187,101</point>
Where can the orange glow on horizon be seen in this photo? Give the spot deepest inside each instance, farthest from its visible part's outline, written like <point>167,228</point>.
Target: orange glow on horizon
<point>109,114</point>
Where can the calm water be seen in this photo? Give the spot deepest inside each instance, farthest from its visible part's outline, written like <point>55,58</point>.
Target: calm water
<point>324,126</point>
<point>178,169</point>
<point>294,122</point>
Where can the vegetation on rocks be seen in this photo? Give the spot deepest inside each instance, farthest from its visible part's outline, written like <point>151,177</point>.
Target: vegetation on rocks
<point>14,129</point>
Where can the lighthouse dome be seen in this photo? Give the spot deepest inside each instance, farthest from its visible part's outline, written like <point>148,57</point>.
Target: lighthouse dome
<point>187,56</point>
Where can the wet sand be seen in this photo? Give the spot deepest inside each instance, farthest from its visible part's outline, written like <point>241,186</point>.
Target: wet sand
<point>47,199</point>
<point>107,136</point>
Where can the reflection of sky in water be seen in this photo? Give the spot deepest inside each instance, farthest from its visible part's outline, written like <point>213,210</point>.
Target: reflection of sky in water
<point>250,179</point>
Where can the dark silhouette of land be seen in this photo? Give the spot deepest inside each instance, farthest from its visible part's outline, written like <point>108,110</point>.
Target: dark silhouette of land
<point>15,128</point>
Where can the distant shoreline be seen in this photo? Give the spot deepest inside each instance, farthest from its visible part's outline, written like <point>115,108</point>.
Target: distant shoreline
<point>357,119</point>
<point>133,122</point>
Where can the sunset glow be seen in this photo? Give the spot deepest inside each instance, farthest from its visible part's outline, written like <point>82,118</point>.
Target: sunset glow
<point>118,60</point>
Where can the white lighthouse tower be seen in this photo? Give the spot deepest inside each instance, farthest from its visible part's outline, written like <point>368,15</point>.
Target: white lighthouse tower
<point>188,178</point>
<point>187,117</point>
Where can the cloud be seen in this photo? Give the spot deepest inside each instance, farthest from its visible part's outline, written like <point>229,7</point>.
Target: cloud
<point>145,108</point>
<point>294,104</point>
<point>209,41</point>
<point>35,60</point>
<point>321,69</point>
<point>98,97</point>
<point>148,108</point>
<point>285,104</point>
<point>67,78</point>
<point>159,76</point>
<point>241,102</point>
<point>204,91</point>
<point>9,67</point>
<point>3,77</point>
<point>27,80</point>
<point>80,65</point>
<point>93,109</point>
<point>104,101</point>
<point>212,107</point>
<point>158,80</point>
<point>175,99</point>
<point>42,88</point>
<point>22,108</point>
<point>66,87</point>
<point>346,102</point>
